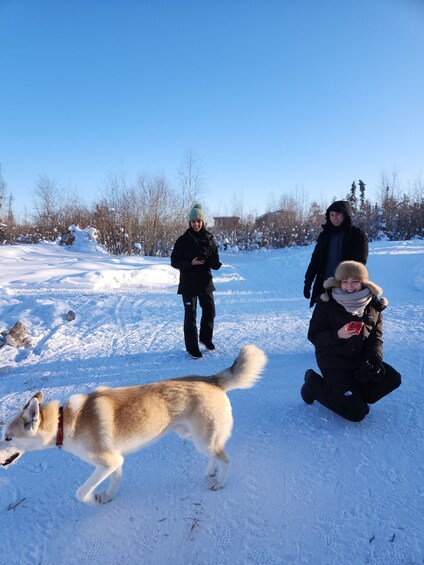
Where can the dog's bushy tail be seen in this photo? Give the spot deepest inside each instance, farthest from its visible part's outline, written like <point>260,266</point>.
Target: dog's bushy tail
<point>245,371</point>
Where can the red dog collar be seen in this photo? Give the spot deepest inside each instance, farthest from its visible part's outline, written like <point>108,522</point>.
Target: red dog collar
<point>59,435</point>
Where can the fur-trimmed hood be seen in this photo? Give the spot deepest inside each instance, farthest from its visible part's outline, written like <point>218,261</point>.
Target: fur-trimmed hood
<point>353,269</point>
<point>339,206</point>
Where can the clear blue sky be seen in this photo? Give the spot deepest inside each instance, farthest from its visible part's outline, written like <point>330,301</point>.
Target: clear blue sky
<point>272,95</point>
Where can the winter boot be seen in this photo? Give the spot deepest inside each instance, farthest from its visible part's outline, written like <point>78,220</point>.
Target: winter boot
<point>307,391</point>
<point>195,354</point>
<point>208,344</point>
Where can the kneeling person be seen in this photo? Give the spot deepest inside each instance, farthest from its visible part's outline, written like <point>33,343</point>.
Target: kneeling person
<point>346,329</point>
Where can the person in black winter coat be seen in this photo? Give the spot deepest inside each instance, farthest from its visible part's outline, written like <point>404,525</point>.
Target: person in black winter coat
<point>346,329</point>
<point>338,241</point>
<point>195,253</point>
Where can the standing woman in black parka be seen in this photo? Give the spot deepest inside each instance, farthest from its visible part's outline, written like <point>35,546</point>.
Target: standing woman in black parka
<point>195,253</point>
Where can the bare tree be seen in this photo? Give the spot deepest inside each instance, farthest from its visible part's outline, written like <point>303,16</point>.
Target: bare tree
<point>191,177</point>
<point>417,216</point>
<point>237,206</point>
<point>110,212</point>
<point>47,205</point>
<point>159,214</point>
<point>388,190</point>
<point>75,211</point>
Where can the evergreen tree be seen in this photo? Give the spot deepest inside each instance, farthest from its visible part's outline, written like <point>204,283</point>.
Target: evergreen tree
<point>3,187</point>
<point>351,198</point>
<point>361,194</point>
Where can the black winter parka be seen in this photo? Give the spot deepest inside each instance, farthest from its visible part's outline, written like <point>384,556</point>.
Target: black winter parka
<point>334,353</point>
<point>195,279</point>
<point>354,248</point>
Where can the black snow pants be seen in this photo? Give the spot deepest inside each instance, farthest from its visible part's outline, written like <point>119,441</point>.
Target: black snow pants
<point>207,304</point>
<point>342,393</point>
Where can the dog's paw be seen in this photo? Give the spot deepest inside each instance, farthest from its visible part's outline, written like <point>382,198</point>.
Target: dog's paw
<point>82,496</point>
<point>214,485</point>
<point>102,497</point>
<point>211,469</point>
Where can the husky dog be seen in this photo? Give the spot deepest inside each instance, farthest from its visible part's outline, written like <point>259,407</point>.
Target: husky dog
<point>106,424</point>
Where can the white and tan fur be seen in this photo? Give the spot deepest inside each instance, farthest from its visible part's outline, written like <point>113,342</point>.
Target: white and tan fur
<point>103,426</point>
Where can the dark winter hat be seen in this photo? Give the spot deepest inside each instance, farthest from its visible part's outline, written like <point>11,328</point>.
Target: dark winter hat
<point>354,270</point>
<point>196,213</point>
<point>340,206</point>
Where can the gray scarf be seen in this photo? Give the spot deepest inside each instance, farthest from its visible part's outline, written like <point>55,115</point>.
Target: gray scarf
<point>353,302</point>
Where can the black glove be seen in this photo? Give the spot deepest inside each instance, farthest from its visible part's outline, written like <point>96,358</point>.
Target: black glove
<point>377,370</point>
<point>307,292</point>
<point>372,370</point>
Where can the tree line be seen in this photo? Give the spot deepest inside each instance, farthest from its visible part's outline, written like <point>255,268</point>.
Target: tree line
<point>146,216</point>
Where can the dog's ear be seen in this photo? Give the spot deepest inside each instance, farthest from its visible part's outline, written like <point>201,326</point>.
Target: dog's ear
<point>31,413</point>
<point>39,396</point>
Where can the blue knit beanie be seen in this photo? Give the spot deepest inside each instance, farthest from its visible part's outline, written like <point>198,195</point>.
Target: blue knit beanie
<point>196,213</point>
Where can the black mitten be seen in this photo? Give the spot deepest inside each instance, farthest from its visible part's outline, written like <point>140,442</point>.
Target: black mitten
<point>372,370</point>
<point>377,370</point>
<point>306,292</point>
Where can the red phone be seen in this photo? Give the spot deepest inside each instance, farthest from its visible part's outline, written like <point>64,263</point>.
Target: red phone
<point>357,326</point>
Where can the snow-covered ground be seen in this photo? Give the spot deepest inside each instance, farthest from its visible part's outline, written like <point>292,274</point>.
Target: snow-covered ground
<point>305,485</point>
